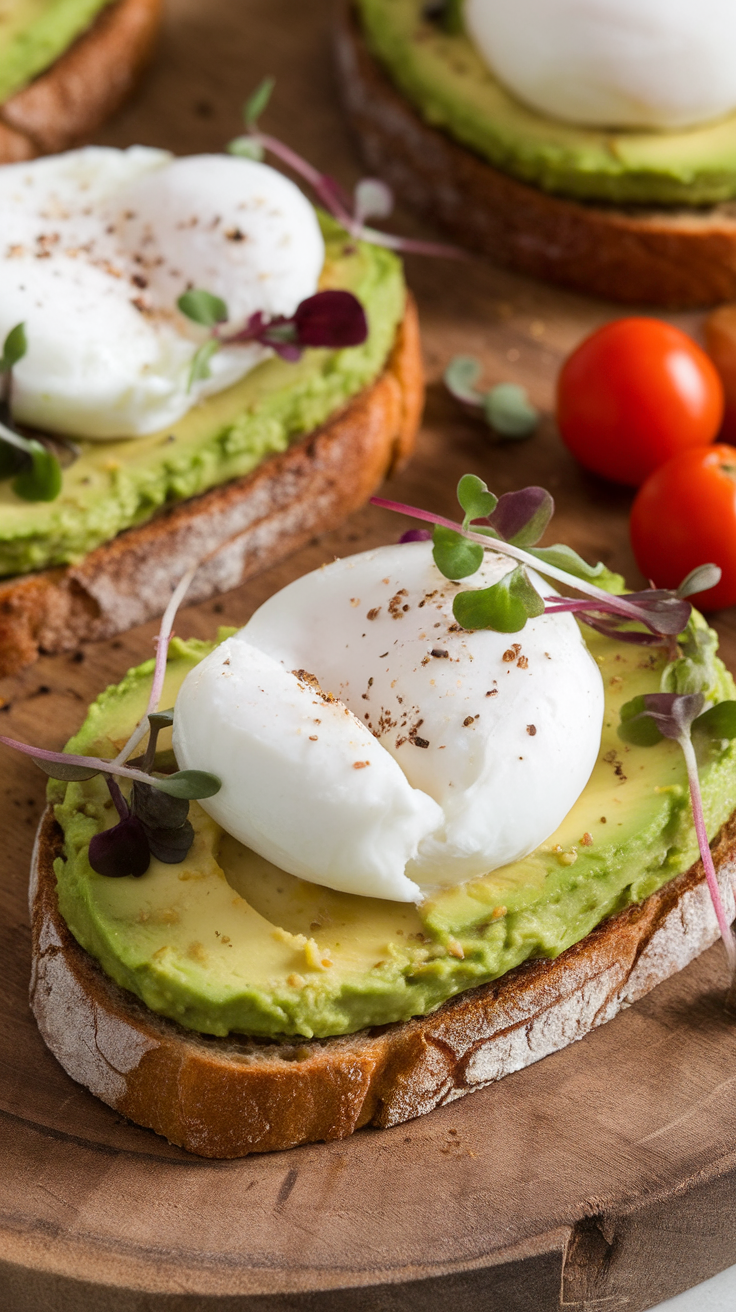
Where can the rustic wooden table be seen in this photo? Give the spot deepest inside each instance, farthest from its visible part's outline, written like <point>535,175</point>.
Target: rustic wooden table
<point>601,1178</point>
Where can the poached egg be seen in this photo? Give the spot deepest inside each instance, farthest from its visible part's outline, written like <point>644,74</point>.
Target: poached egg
<point>96,247</point>
<point>612,63</point>
<point>367,743</point>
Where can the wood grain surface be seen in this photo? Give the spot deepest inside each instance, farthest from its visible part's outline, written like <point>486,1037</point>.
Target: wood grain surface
<point>603,1177</point>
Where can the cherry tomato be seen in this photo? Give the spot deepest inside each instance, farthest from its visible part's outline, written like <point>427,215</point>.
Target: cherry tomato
<point>635,393</point>
<point>685,515</point>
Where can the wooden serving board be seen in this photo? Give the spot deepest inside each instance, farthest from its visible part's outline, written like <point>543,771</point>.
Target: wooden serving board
<point>602,1178</point>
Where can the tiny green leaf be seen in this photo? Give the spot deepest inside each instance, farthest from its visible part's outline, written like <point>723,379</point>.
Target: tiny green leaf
<point>255,104</point>
<point>14,347</point>
<point>189,783</point>
<point>202,307</point>
<point>161,719</point>
<point>475,499</point>
<point>200,366</point>
<point>454,556</point>
<point>69,773</point>
<point>636,726</point>
<point>563,557</point>
<point>461,375</point>
<point>246,148</point>
<point>505,607</point>
<point>718,721</point>
<point>41,479</point>
<point>509,411</point>
<point>700,580</point>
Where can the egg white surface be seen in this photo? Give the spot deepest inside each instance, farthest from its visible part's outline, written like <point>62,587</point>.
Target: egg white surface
<point>613,63</point>
<point>502,740</point>
<point>97,246</point>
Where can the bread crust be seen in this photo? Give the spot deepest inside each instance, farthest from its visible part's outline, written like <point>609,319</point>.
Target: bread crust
<point>66,104</point>
<point>250,522</point>
<point>677,258</point>
<point>231,1097</point>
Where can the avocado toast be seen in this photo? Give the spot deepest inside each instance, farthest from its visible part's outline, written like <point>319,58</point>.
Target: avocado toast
<point>633,216</point>
<point>359,1010</point>
<point>66,66</point>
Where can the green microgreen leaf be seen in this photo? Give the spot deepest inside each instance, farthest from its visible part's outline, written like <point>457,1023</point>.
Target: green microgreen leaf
<point>696,669</point>
<point>700,580</point>
<point>509,411</point>
<point>718,722</point>
<point>257,102</point>
<point>454,556</point>
<point>14,347</point>
<point>69,773</point>
<point>41,478</point>
<point>460,377</point>
<point>505,607</point>
<point>188,783</point>
<point>203,307</point>
<point>636,726</point>
<point>157,809</point>
<point>246,148</point>
<point>475,499</point>
<point>199,368</point>
<point>563,557</point>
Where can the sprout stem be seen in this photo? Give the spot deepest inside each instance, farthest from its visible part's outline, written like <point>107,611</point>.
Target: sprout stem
<point>696,802</point>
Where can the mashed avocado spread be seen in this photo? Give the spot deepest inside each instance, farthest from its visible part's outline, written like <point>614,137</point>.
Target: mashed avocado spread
<point>444,76</point>
<point>114,485</point>
<point>224,941</point>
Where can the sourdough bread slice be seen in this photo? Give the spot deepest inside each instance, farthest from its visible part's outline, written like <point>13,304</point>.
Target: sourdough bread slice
<point>249,522</point>
<point>63,106</point>
<point>230,1097</point>
<point>668,257</point>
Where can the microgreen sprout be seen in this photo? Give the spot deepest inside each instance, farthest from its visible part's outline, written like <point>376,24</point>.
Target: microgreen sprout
<point>155,822</point>
<point>35,471</point>
<point>505,407</point>
<point>372,198</point>
<point>334,319</point>
<point>645,721</point>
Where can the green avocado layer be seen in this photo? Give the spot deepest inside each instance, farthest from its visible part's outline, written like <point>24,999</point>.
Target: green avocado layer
<point>34,33</point>
<point>446,79</point>
<point>224,941</point>
<point>114,485</point>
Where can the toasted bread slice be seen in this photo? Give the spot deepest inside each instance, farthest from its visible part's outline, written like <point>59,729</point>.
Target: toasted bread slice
<point>255,520</point>
<point>65,105</point>
<point>668,257</point>
<point>230,1097</point>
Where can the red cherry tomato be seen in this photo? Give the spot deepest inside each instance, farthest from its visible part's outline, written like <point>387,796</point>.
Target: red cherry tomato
<point>635,393</point>
<point>684,516</point>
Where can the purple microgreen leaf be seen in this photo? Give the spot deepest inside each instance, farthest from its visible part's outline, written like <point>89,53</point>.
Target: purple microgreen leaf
<point>522,517</point>
<point>509,412</point>
<point>202,307</point>
<point>610,628</point>
<point>373,200</point>
<point>120,851</point>
<point>121,806</point>
<point>188,783</point>
<point>453,555</point>
<point>663,612</point>
<point>257,102</point>
<point>170,845</point>
<point>700,580</point>
<point>505,606</point>
<point>672,713</point>
<point>564,558</point>
<point>331,318</point>
<point>416,535</point>
<point>475,499</point>
<point>718,722</point>
<point>460,377</point>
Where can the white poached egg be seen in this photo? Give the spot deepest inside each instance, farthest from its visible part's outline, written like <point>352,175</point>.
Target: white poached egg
<point>97,245</point>
<point>613,63</point>
<point>367,743</point>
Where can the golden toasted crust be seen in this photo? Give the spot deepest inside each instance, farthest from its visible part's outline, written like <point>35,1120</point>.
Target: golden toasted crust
<point>230,1097</point>
<point>63,106</point>
<point>249,522</point>
<point>675,258</point>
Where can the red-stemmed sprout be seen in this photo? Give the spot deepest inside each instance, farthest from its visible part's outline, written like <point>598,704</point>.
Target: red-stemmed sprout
<point>644,722</point>
<point>372,199</point>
